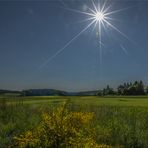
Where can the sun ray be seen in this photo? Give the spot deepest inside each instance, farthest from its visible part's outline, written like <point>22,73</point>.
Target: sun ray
<point>93,3</point>
<point>112,26</point>
<point>99,6</point>
<point>85,20</point>
<point>98,15</point>
<point>112,19</point>
<point>112,12</point>
<point>105,10</point>
<point>78,11</point>
<point>91,10</point>
<point>103,6</point>
<point>103,25</point>
<point>94,26</point>
<point>66,45</point>
<point>100,49</point>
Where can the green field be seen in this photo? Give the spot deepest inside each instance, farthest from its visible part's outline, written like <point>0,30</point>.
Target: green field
<point>138,101</point>
<point>118,120</point>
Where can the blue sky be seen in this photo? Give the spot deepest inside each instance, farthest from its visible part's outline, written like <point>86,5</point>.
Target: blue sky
<point>31,32</point>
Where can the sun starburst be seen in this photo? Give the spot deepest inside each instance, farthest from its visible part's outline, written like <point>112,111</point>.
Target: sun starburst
<point>99,16</point>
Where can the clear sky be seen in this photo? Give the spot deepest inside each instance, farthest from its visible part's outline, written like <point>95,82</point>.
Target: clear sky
<point>32,32</point>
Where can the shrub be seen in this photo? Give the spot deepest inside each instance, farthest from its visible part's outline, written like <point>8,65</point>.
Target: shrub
<point>61,128</point>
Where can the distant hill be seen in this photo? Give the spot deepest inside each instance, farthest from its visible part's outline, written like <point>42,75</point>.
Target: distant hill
<point>48,92</point>
<point>43,92</point>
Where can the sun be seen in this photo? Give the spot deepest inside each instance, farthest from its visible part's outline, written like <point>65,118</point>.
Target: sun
<point>99,16</point>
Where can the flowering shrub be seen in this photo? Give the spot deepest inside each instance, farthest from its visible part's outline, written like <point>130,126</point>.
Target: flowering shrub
<point>60,128</point>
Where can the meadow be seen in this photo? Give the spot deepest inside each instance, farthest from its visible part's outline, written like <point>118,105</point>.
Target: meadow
<point>118,121</point>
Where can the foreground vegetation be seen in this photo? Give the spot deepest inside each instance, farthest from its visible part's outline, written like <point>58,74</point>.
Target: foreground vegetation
<point>110,122</point>
<point>60,128</point>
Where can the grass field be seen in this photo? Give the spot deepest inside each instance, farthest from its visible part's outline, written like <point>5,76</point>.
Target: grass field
<point>84,100</point>
<point>118,120</point>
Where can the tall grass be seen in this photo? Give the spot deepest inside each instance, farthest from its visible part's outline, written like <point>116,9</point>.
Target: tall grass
<point>14,119</point>
<point>119,125</point>
<point>114,125</point>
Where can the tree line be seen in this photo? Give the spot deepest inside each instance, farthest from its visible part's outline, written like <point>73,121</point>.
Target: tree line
<point>128,88</point>
<point>135,88</point>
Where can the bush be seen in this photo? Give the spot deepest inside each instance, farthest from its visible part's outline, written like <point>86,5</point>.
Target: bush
<point>60,128</point>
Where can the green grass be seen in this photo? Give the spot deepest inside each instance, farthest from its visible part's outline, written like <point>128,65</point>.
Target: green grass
<point>118,120</point>
<point>112,101</point>
<point>140,101</point>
